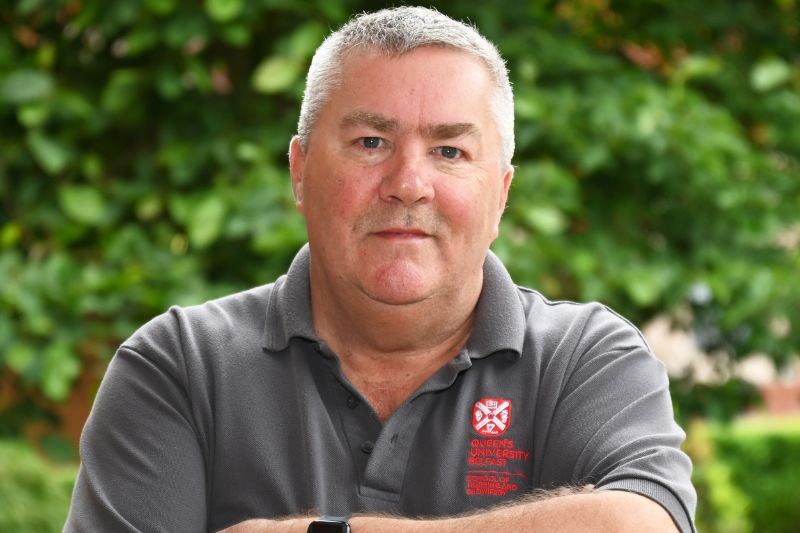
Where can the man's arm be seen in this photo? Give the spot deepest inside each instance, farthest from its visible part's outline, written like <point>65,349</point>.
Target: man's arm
<point>142,468</point>
<point>556,512</point>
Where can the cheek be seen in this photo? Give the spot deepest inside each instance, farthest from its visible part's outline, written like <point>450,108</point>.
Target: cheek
<point>469,211</point>
<point>350,196</point>
<point>340,198</point>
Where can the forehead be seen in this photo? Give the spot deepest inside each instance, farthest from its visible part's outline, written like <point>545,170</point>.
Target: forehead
<point>424,87</point>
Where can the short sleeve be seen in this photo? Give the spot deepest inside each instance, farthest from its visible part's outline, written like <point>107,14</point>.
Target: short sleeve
<point>615,400</point>
<point>142,468</point>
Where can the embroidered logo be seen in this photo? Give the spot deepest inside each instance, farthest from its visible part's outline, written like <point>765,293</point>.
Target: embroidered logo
<point>491,416</point>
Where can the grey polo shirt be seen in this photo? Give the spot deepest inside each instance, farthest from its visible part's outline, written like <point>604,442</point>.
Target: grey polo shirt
<point>235,409</point>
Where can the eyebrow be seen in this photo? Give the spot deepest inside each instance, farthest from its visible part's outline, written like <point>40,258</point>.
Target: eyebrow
<point>375,121</point>
<point>450,131</point>
<point>381,123</point>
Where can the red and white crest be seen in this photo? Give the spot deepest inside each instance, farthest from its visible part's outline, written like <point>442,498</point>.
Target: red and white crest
<point>491,416</point>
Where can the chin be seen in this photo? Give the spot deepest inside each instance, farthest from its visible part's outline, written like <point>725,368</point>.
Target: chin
<point>399,285</point>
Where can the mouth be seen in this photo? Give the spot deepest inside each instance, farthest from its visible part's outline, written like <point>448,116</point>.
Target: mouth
<point>402,233</point>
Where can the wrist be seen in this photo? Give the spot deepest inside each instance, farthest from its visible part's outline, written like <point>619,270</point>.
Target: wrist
<point>264,525</point>
<point>372,524</point>
<point>387,524</point>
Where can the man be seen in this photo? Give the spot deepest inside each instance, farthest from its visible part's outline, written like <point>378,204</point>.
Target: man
<point>396,371</point>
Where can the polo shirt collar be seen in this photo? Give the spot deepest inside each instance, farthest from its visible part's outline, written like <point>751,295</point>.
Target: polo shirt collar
<point>499,316</point>
<point>289,305</point>
<point>499,319</point>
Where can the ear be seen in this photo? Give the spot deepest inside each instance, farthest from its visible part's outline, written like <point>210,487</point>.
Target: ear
<point>501,207</point>
<point>507,177</point>
<point>296,168</point>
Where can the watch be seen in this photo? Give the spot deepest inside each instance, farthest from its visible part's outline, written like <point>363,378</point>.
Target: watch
<point>329,524</point>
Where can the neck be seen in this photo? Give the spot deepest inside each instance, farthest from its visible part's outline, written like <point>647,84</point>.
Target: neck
<point>353,324</point>
<point>388,351</point>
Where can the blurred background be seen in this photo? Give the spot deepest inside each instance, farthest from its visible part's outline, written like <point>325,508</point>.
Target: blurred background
<point>142,164</point>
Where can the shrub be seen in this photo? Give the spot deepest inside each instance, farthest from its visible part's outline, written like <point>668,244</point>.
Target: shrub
<point>34,492</point>
<point>747,475</point>
<point>765,464</point>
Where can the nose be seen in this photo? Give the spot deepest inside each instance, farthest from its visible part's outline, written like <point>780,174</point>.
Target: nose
<point>408,179</point>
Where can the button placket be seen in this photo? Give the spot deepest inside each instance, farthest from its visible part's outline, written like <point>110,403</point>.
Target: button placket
<point>386,466</point>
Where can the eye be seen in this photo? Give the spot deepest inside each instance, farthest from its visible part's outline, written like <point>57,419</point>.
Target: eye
<point>371,142</point>
<point>449,152</point>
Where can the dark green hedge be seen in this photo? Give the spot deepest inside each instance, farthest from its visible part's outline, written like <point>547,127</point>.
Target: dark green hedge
<point>767,470</point>
<point>747,475</point>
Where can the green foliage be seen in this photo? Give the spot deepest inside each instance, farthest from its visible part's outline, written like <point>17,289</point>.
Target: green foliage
<point>721,505</point>
<point>143,162</point>
<point>652,162</point>
<point>752,454</point>
<point>747,476</point>
<point>35,493</point>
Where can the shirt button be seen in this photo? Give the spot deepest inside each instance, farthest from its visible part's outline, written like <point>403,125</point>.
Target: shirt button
<point>320,349</point>
<point>367,446</point>
<point>353,402</point>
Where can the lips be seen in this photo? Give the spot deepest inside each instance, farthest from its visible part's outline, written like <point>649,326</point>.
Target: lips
<point>400,233</point>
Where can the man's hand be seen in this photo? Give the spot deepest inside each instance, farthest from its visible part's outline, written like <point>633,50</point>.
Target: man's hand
<point>559,511</point>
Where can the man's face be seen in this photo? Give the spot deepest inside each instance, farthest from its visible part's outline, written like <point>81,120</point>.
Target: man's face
<point>401,184</point>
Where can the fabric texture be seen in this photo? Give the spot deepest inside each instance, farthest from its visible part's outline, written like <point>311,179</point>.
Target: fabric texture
<point>235,409</point>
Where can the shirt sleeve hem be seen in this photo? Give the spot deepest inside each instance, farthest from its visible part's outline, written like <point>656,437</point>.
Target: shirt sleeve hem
<point>659,494</point>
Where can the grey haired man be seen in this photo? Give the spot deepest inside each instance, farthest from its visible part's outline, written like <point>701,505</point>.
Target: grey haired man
<point>395,377</point>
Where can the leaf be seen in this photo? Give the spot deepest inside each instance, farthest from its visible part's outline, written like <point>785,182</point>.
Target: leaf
<point>547,219</point>
<point>237,35</point>
<point>82,204</point>
<point>698,67</point>
<point>205,222</point>
<point>19,357</point>
<point>26,86</point>
<point>10,234</point>
<point>60,366</point>
<point>140,41</point>
<point>168,83</point>
<point>53,156</point>
<point>121,91</point>
<point>223,10</point>
<point>185,26</point>
<point>528,106</point>
<point>769,74</point>
<point>161,7</point>
<point>276,74</point>
<point>148,208</point>
<point>33,115</point>
<point>646,283</point>
<point>304,40</point>
<point>248,151</point>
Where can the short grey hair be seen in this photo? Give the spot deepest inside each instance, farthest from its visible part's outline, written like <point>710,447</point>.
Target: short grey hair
<point>397,31</point>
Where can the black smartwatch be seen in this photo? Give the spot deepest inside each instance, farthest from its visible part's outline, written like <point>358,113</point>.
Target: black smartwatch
<point>329,524</point>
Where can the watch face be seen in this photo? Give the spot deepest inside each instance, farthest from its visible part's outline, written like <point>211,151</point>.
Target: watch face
<point>329,526</point>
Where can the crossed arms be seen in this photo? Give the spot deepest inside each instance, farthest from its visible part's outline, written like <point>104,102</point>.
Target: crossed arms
<point>563,511</point>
